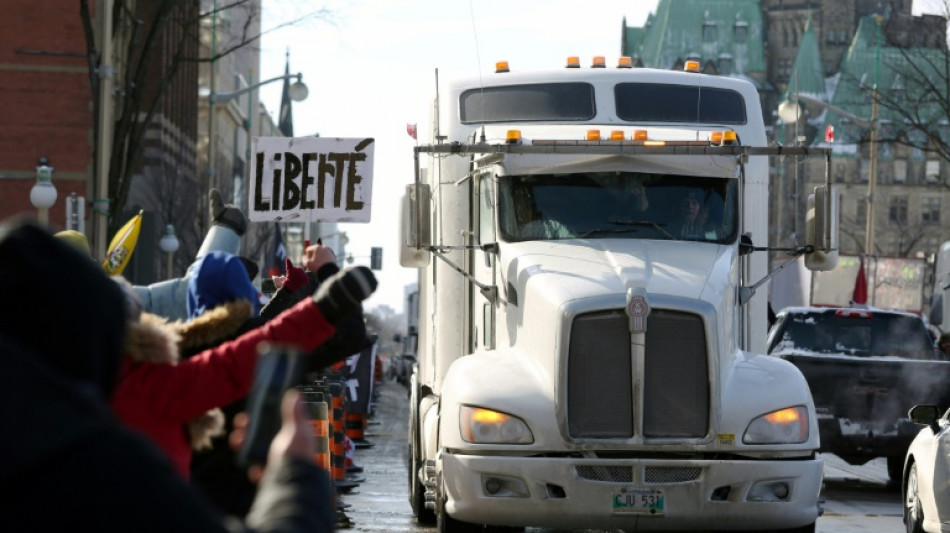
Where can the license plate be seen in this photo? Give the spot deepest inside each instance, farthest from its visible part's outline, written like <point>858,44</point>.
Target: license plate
<point>628,500</point>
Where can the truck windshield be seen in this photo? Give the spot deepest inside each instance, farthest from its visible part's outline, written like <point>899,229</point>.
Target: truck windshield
<point>617,205</point>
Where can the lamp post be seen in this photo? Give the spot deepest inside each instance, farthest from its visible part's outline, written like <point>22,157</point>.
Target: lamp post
<point>43,193</point>
<point>169,245</point>
<point>297,91</point>
<point>790,111</point>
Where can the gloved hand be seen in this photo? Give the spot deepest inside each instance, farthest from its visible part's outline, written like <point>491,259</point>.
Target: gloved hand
<point>341,294</point>
<point>296,277</point>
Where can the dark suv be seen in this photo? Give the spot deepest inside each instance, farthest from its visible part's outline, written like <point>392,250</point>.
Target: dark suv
<point>866,368</point>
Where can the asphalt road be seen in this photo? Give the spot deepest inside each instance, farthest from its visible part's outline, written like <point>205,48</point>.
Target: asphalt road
<point>857,498</point>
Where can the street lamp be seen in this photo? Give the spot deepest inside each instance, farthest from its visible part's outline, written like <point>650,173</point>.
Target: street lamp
<point>790,111</point>
<point>169,245</point>
<point>297,91</point>
<point>43,193</point>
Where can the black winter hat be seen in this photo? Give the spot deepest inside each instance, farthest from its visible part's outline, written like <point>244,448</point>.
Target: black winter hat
<point>59,305</point>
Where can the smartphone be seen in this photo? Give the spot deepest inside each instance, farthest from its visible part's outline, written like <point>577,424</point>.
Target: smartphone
<point>278,369</point>
<point>268,286</point>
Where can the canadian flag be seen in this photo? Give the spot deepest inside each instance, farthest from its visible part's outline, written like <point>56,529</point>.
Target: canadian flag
<point>829,133</point>
<point>411,130</point>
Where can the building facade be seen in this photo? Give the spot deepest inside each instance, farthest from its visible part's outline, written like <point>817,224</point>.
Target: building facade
<point>46,98</point>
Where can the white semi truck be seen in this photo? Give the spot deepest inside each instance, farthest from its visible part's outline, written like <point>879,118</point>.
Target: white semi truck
<point>591,246</point>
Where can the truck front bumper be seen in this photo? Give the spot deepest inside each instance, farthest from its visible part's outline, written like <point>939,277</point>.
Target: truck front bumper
<point>577,493</point>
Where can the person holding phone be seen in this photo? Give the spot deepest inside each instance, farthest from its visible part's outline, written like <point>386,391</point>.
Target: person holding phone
<point>160,394</point>
<point>215,471</point>
<point>70,465</point>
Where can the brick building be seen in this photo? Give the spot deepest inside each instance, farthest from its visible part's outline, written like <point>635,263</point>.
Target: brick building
<point>47,104</point>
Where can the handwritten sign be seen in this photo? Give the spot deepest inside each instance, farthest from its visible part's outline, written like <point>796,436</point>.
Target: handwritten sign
<point>311,179</point>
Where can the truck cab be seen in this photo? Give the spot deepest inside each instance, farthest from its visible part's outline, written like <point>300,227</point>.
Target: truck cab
<point>590,331</point>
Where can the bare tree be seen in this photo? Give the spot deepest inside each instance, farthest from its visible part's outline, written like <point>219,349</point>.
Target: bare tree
<point>908,75</point>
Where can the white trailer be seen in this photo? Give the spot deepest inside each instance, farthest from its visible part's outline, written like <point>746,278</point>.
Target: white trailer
<point>599,366</point>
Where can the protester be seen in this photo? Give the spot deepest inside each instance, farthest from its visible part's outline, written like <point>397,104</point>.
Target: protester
<point>76,239</point>
<point>214,471</point>
<point>321,264</point>
<point>158,394</point>
<point>69,465</point>
<point>228,223</point>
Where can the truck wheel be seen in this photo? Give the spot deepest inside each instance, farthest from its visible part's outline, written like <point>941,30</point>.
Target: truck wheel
<point>447,524</point>
<point>913,512</point>
<point>417,491</point>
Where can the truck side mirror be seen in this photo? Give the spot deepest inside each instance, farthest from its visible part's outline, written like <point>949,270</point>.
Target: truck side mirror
<point>415,229</point>
<point>821,229</point>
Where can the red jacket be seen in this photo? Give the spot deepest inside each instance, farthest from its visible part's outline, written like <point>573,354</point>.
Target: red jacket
<point>158,398</point>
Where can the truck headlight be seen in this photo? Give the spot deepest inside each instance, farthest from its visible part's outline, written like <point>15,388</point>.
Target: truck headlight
<point>785,426</point>
<point>485,426</point>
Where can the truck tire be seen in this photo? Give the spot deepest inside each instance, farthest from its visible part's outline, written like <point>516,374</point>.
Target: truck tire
<point>417,491</point>
<point>913,511</point>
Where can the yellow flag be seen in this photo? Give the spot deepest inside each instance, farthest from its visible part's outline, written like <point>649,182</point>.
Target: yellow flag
<point>122,246</point>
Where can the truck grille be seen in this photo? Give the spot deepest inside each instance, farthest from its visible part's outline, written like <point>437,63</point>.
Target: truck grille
<point>600,401</point>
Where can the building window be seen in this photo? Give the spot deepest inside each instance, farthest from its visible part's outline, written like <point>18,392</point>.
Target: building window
<point>839,172</point>
<point>898,211</point>
<point>709,32</point>
<point>930,210</point>
<point>725,63</point>
<point>900,171</point>
<point>843,37</point>
<point>861,212</point>
<point>932,173</point>
<point>865,170</point>
<point>741,31</point>
<point>830,37</point>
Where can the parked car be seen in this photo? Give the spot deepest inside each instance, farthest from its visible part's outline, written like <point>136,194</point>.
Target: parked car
<point>926,485</point>
<point>866,368</point>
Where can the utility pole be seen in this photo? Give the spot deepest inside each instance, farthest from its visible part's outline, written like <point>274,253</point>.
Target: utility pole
<point>872,177</point>
<point>106,74</point>
<point>872,148</point>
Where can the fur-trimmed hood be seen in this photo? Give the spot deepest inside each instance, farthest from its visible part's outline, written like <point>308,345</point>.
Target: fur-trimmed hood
<point>212,327</point>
